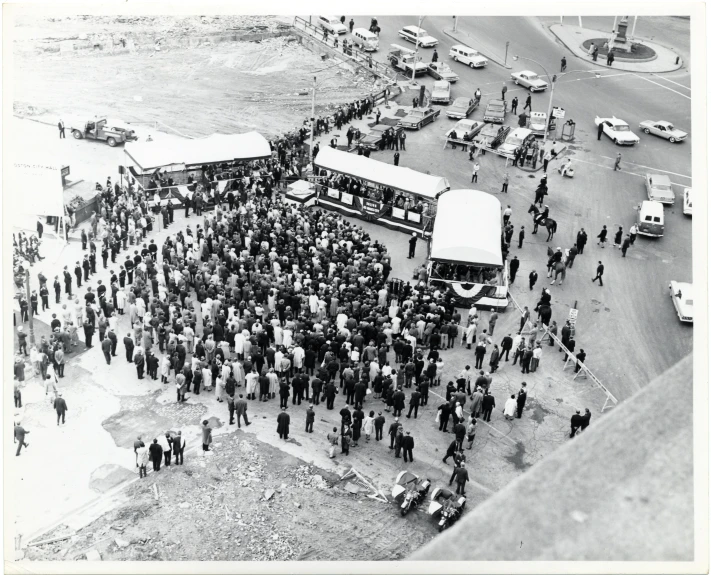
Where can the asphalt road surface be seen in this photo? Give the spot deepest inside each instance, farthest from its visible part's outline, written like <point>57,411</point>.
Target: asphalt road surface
<point>629,327</point>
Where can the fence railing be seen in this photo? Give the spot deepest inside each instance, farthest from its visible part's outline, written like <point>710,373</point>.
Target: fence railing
<point>352,52</point>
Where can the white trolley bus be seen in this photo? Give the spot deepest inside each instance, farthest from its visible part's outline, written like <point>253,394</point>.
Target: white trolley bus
<point>465,250</point>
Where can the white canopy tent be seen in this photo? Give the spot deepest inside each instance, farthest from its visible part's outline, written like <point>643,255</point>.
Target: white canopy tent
<point>149,156</point>
<point>395,177</point>
<point>467,229</point>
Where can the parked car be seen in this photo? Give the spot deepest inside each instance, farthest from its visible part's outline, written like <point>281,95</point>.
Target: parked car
<point>659,188</point>
<point>466,130</point>
<point>373,138</point>
<point>687,201</point>
<point>650,219</point>
<point>516,138</point>
<point>495,111</point>
<point>462,107</point>
<point>441,92</point>
<point>617,130</point>
<point>537,123</point>
<point>418,36</point>
<point>440,71</point>
<point>418,117</point>
<point>332,24</point>
<point>467,56</point>
<point>663,129</point>
<point>682,295</point>
<point>529,80</point>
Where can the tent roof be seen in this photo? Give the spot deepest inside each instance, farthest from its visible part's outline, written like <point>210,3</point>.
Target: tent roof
<point>216,148</point>
<point>395,177</point>
<point>467,228</point>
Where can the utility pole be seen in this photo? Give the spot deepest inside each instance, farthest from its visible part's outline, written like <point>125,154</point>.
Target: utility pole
<point>313,120</point>
<point>550,107</point>
<point>454,28</point>
<point>417,47</point>
<point>634,25</point>
<point>506,55</point>
<point>29,310</point>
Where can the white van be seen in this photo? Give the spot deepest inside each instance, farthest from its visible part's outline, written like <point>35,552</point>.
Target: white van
<point>332,24</point>
<point>467,56</point>
<point>365,39</point>
<point>650,219</point>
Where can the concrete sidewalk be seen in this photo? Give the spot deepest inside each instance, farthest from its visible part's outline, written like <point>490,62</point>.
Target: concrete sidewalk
<point>573,37</point>
<point>476,44</point>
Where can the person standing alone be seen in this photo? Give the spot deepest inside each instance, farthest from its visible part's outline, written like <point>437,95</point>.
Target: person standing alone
<point>60,125</point>
<point>413,243</point>
<point>600,270</point>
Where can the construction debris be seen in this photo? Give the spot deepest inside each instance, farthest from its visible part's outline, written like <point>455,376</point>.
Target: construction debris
<point>363,485</point>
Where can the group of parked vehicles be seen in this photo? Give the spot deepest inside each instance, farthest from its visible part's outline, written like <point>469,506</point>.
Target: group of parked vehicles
<point>410,491</point>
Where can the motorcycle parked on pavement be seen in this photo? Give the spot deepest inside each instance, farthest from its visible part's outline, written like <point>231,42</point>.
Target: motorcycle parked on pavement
<point>447,506</point>
<point>409,491</point>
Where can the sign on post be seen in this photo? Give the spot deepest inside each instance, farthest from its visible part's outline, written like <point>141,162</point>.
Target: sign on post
<point>557,112</point>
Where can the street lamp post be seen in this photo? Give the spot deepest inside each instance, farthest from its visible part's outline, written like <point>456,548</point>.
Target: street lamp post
<point>417,47</point>
<point>454,28</point>
<point>313,120</point>
<point>552,82</point>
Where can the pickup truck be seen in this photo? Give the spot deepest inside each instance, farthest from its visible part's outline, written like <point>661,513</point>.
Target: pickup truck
<point>495,112</point>
<point>403,59</point>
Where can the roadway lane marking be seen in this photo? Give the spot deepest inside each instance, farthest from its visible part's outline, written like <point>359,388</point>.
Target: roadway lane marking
<point>650,168</point>
<point>672,81</point>
<point>663,86</point>
<point>624,171</point>
<point>521,89</point>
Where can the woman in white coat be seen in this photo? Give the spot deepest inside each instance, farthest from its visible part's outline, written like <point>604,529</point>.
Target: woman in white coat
<point>368,425</point>
<point>470,335</point>
<point>120,300</point>
<point>165,369</point>
<point>510,407</point>
<point>239,345</point>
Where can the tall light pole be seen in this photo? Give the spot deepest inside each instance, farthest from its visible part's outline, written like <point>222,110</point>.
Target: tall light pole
<point>29,306</point>
<point>552,82</point>
<point>313,120</point>
<point>417,47</point>
<point>454,28</point>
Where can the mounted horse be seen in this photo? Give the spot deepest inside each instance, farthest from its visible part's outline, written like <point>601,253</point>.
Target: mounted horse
<point>540,220</point>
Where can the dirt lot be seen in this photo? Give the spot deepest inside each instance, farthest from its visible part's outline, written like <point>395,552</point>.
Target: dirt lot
<point>194,85</point>
<point>248,501</point>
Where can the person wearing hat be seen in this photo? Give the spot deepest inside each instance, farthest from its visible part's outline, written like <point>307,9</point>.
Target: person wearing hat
<point>408,443</point>
<point>60,406</point>
<point>111,335</point>
<point>413,243</point>
<point>392,431</point>
<point>106,349</point>
<point>283,421</point>
<point>20,433</point>
<point>462,476</point>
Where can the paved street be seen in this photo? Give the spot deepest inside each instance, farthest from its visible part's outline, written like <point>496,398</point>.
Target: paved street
<point>628,327</point>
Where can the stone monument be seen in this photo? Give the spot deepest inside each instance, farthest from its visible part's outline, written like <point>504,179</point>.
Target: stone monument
<point>621,43</point>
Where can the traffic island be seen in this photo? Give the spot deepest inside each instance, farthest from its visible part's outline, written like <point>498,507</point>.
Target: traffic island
<point>638,59</point>
<point>638,53</point>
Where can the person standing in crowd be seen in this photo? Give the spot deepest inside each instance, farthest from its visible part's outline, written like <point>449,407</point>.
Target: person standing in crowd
<point>156,453</point>
<point>408,444</point>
